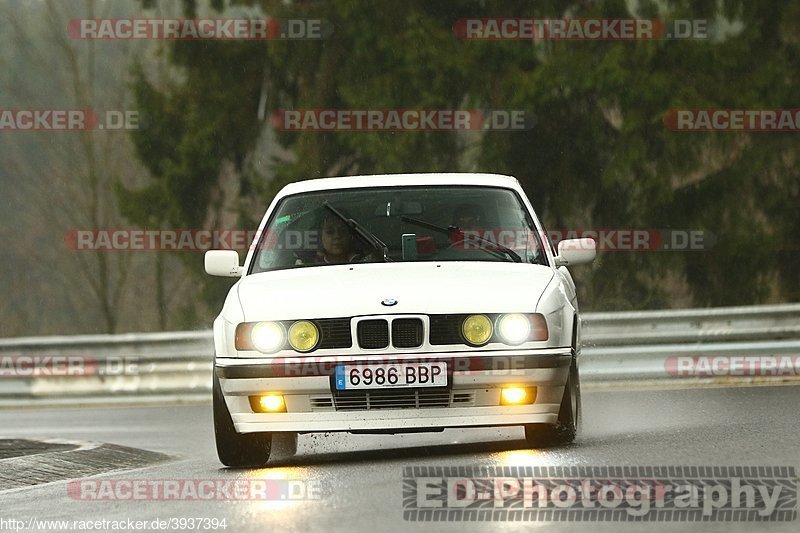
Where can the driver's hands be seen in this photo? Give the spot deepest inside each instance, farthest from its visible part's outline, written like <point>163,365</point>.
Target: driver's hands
<point>372,257</point>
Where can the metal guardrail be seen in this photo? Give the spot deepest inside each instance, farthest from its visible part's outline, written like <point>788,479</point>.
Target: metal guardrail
<point>617,347</point>
<point>635,346</point>
<point>172,365</point>
<point>719,324</point>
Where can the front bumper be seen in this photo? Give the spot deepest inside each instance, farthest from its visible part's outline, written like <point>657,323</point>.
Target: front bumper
<point>471,399</point>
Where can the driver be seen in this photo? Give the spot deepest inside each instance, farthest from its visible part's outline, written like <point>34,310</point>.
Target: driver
<point>335,243</point>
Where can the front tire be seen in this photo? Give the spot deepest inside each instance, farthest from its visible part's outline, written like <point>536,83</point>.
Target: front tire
<point>563,431</point>
<point>238,450</point>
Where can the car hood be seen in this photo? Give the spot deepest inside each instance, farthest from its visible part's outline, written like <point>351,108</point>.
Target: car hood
<point>418,288</point>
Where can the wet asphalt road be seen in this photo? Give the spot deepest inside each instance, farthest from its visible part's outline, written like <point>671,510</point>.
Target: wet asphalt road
<point>360,477</point>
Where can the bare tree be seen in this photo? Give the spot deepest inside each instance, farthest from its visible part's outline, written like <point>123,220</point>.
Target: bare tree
<point>66,179</point>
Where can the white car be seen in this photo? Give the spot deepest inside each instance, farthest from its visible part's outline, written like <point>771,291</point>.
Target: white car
<point>396,303</point>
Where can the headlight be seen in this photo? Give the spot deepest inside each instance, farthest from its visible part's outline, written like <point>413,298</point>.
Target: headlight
<point>303,335</point>
<point>514,328</point>
<point>477,329</point>
<point>267,337</point>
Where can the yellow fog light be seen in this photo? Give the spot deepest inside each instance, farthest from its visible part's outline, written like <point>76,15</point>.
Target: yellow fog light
<point>477,329</point>
<point>303,336</point>
<point>517,396</point>
<point>268,403</point>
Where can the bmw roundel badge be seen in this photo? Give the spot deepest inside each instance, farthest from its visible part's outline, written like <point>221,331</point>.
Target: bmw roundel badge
<point>388,302</point>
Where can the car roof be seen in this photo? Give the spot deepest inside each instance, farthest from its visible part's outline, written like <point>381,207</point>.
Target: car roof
<point>394,180</point>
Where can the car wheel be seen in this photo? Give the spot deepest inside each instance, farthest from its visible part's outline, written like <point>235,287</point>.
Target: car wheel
<point>234,449</point>
<point>564,430</point>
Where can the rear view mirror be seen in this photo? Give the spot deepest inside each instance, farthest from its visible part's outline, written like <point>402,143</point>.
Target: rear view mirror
<point>223,263</point>
<point>396,209</point>
<point>576,252</point>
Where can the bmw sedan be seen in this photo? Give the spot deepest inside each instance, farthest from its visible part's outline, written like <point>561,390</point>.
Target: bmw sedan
<point>397,303</point>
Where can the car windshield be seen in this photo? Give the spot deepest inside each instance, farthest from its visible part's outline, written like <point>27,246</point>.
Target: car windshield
<point>387,224</point>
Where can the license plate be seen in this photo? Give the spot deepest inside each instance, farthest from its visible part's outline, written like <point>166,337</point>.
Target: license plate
<point>391,375</point>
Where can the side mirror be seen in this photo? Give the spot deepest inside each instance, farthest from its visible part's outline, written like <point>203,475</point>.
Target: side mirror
<point>576,252</point>
<point>223,263</point>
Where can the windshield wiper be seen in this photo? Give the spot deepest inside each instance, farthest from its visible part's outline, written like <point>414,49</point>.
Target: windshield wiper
<point>449,230</point>
<point>362,233</point>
